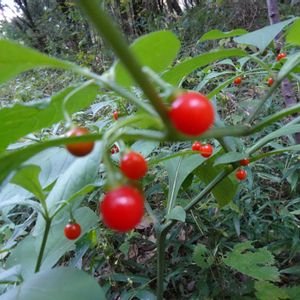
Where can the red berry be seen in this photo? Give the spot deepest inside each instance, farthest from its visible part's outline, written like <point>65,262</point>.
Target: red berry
<point>122,208</point>
<point>133,165</point>
<point>196,146</point>
<point>116,148</point>
<point>116,115</point>
<point>280,56</point>
<point>82,148</point>
<point>72,231</point>
<point>270,81</point>
<point>237,81</point>
<point>192,113</point>
<point>241,174</point>
<point>244,162</point>
<point>206,150</point>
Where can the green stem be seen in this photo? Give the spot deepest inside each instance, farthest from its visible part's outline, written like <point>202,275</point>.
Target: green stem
<point>114,38</point>
<point>43,245</point>
<point>165,228</point>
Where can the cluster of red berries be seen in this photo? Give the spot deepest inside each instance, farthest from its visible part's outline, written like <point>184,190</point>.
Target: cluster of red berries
<point>241,174</point>
<point>205,150</point>
<point>122,208</point>
<point>114,149</point>
<point>280,56</point>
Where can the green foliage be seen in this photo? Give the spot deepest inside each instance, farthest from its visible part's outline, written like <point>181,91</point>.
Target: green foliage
<point>156,51</point>
<point>217,34</point>
<point>256,264</point>
<point>198,203</point>
<point>56,283</point>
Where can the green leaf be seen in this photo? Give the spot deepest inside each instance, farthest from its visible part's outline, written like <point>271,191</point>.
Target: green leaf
<point>53,162</point>
<point>80,174</point>
<point>144,147</point>
<point>217,34</point>
<point>293,35</point>
<point>175,75</point>
<point>60,284</point>
<point>28,178</point>
<point>16,59</point>
<point>156,50</point>
<point>201,257</point>
<point>256,264</point>
<point>12,274</point>
<point>268,291</point>
<point>286,130</point>
<point>295,270</point>
<point>26,251</point>
<point>229,158</point>
<point>207,172</point>
<point>293,292</point>
<point>178,169</point>
<point>261,38</point>
<point>22,119</point>
<point>177,213</point>
<point>11,160</point>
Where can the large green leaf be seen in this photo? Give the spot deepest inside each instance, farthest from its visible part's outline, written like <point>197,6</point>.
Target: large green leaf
<point>156,50</point>
<point>59,284</point>
<point>53,162</point>
<point>268,291</point>
<point>178,169</point>
<point>26,252</point>
<point>16,58</point>
<point>293,35</point>
<point>22,119</point>
<point>207,172</point>
<point>217,34</point>
<point>261,38</point>
<point>81,173</point>
<point>181,70</point>
<point>229,158</point>
<point>258,264</point>
<point>28,178</point>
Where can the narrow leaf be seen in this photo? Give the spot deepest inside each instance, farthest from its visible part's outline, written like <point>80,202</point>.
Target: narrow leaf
<point>217,34</point>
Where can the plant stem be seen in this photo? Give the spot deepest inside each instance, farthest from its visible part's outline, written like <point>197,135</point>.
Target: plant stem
<point>114,38</point>
<point>43,245</point>
<point>164,229</point>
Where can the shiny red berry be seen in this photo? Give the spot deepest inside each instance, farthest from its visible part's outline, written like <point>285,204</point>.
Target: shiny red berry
<point>280,56</point>
<point>133,165</point>
<point>116,115</point>
<point>192,113</point>
<point>244,162</point>
<point>82,148</point>
<point>206,150</point>
<point>122,208</point>
<point>72,231</point>
<point>270,81</point>
<point>196,146</point>
<point>241,174</point>
<point>237,81</point>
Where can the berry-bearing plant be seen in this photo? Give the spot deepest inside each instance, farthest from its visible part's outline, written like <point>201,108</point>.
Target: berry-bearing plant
<point>108,162</point>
